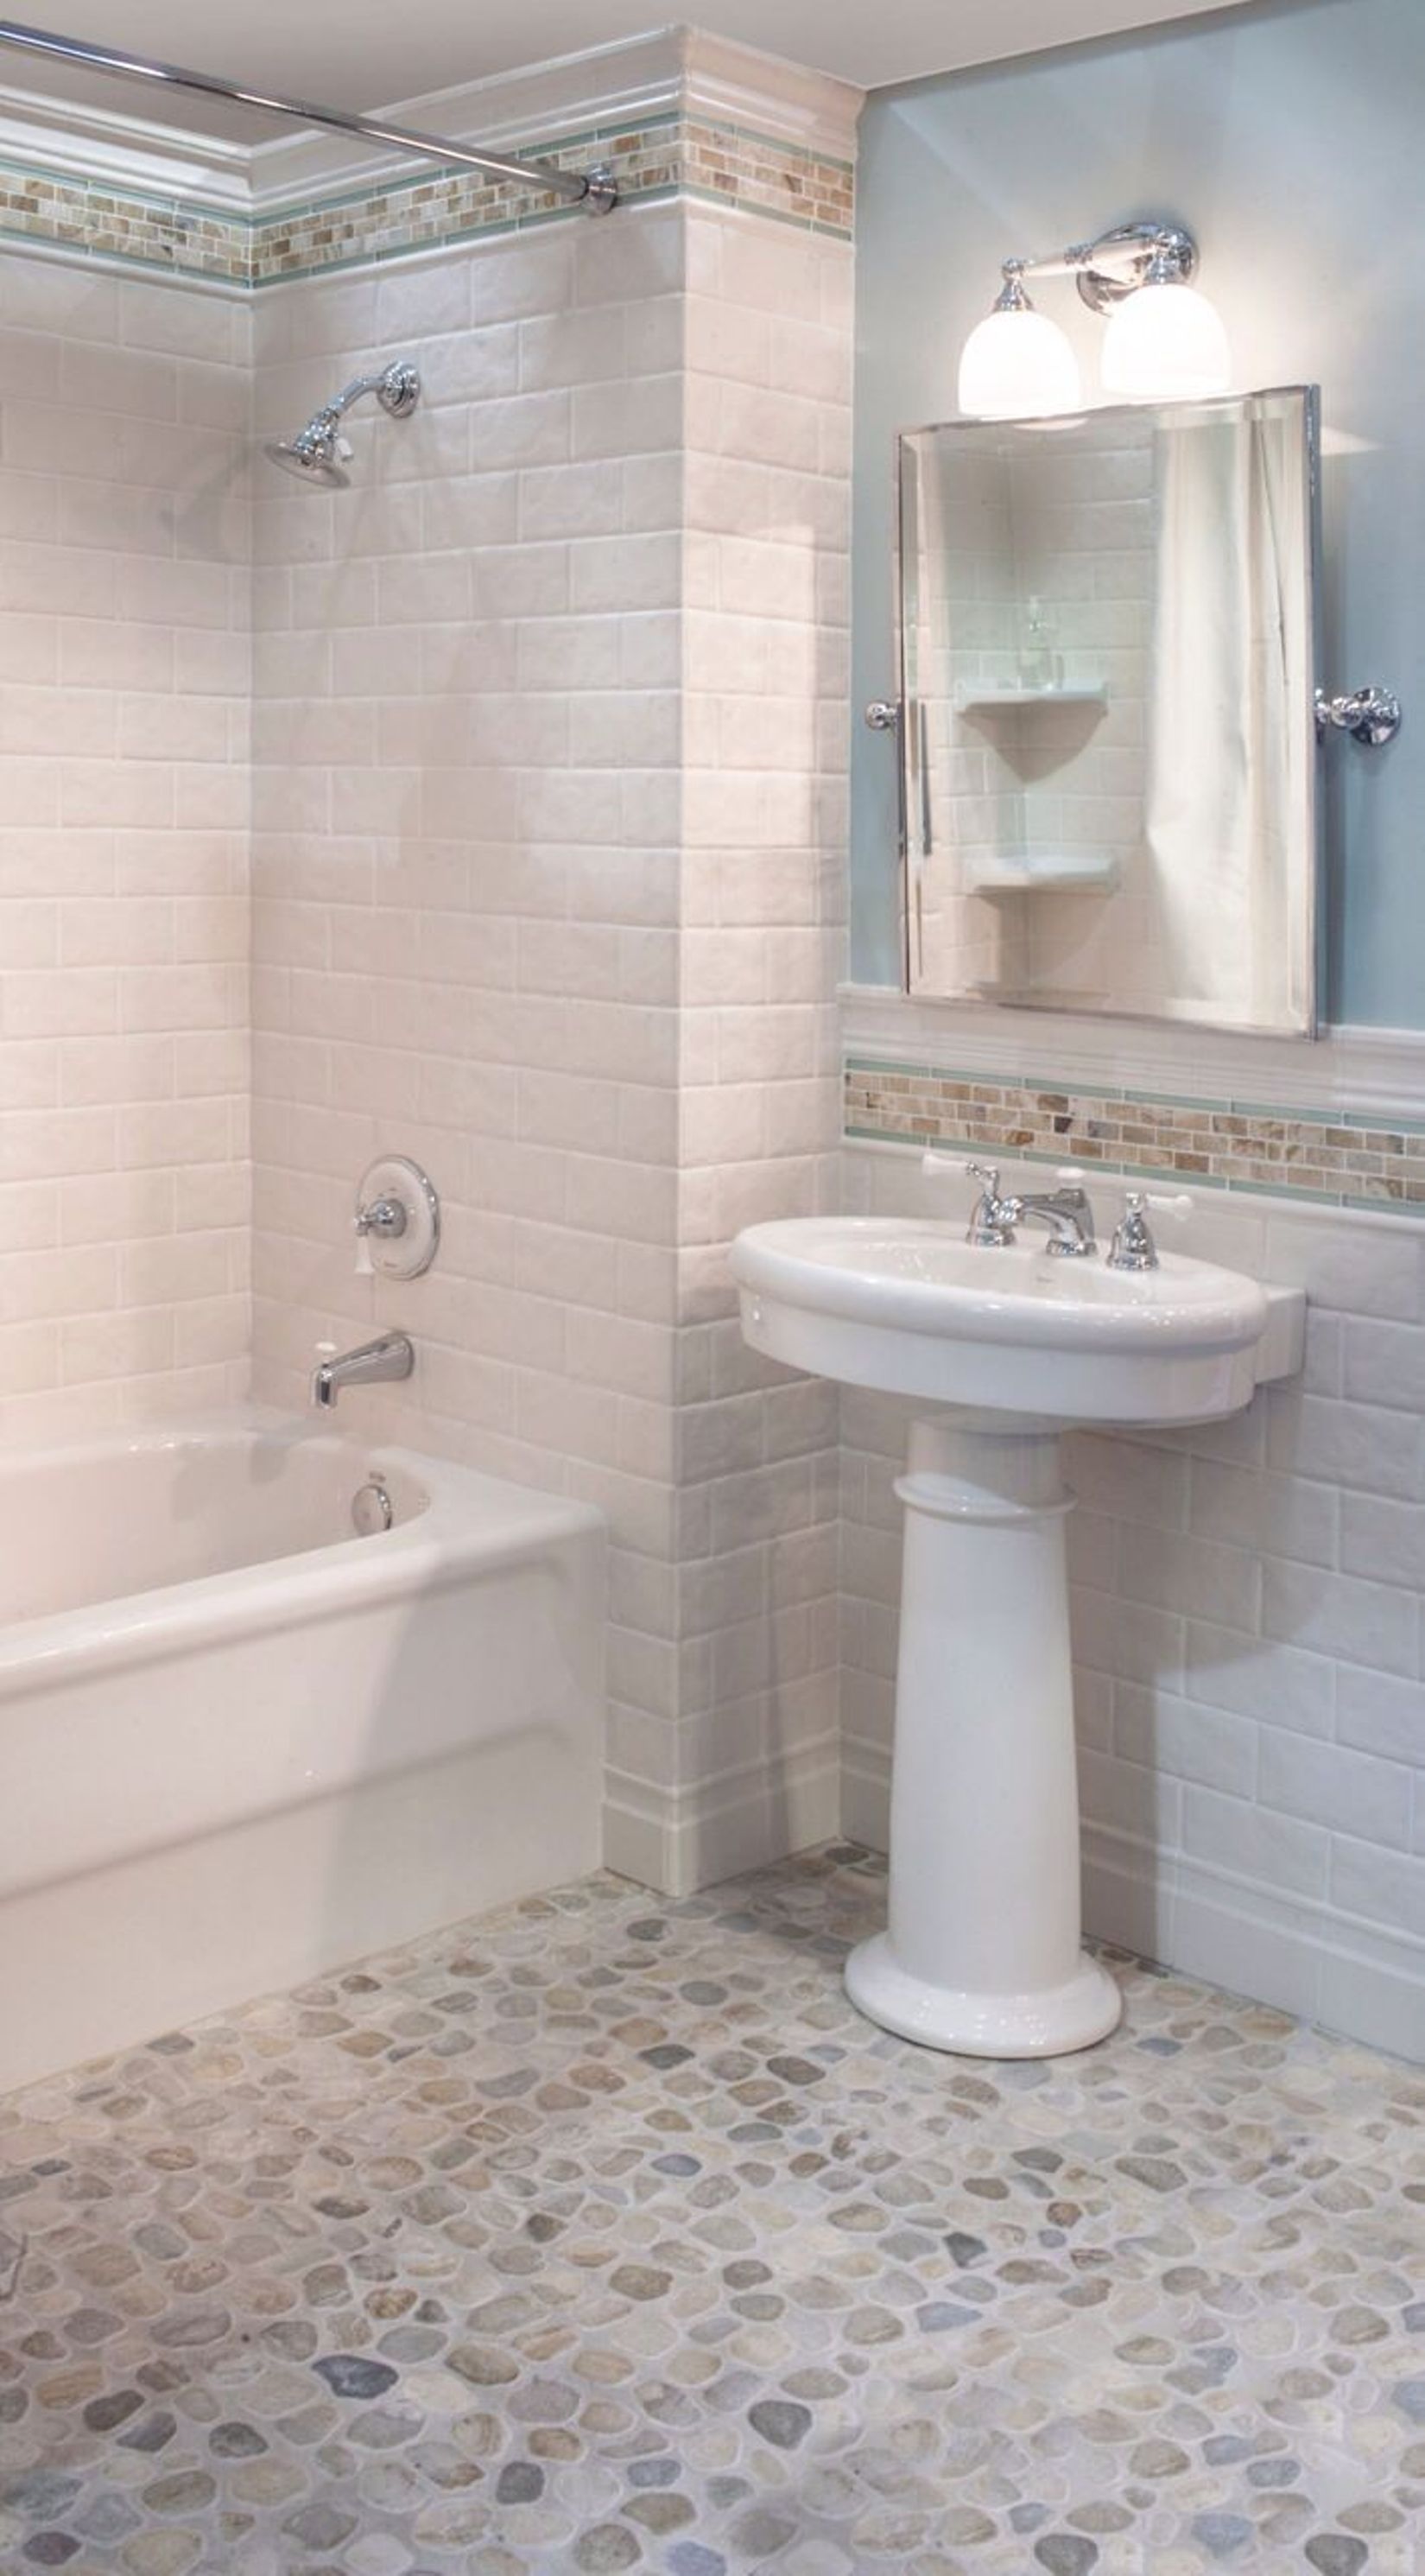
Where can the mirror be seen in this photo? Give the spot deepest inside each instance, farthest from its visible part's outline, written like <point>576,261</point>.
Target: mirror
<point>1107,737</point>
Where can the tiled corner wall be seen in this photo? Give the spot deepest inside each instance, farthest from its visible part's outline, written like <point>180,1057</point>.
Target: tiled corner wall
<point>547,846</point>
<point>755,1750</point>
<point>1250,1665</point>
<point>124,693</point>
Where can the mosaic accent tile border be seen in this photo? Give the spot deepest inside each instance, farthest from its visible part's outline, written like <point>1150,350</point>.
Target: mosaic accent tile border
<point>86,216</point>
<point>664,158</point>
<point>661,157</point>
<point>1339,1158</point>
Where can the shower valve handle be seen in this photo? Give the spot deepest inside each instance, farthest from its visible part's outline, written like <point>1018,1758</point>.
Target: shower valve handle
<point>386,1218</point>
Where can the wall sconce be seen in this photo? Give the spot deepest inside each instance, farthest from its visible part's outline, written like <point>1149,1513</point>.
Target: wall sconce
<point>1164,342</point>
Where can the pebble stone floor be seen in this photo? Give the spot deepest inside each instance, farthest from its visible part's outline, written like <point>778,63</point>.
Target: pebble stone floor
<point>600,2233</point>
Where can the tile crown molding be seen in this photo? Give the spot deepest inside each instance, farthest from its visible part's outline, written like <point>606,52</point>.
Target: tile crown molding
<point>87,144</point>
<point>674,71</point>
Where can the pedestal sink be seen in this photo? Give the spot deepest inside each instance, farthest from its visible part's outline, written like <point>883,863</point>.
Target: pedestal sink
<point>1007,1347</point>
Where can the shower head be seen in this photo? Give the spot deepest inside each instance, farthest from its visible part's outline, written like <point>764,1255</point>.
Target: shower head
<point>313,455</point>
<point>318,452</point>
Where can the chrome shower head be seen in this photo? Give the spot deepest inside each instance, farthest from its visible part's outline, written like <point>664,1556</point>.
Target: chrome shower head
<point>317,454</point>
<point>313,455</point>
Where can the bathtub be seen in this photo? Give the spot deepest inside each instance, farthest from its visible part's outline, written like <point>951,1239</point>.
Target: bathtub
<point>241,1744</point>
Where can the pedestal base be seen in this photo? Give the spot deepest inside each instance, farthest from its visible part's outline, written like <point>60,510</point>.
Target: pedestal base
<point>981,1952</point>
<point>1051,2024</point>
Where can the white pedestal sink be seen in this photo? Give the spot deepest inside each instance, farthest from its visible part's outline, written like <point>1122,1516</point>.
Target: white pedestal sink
<point>1008,1347</point>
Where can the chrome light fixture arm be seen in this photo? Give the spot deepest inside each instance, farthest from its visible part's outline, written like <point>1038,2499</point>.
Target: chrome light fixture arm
<point>1112,266</point>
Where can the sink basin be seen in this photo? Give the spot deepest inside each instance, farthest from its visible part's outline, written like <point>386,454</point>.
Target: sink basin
<point>906,1305</point>
<point>1006,1344</point>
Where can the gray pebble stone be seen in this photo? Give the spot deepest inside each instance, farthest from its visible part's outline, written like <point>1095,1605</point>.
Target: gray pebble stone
<point>1066,2553</point>
<point>607,2549</point>
<point>780,2421</point>
<point>519,2482</point>
<point>690,2558</point>
<point>1333,2554</point>
<point>1222,2533</point>
<point>320,2526</point>
<point>236,2442</point>
<point>347,2374</point>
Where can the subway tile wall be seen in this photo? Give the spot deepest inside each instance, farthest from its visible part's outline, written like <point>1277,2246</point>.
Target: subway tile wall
<point>465,858</point>
<point>547,834</point>
<point>1247,1627</point>
<point>124,696</point>
<point>767,431</point>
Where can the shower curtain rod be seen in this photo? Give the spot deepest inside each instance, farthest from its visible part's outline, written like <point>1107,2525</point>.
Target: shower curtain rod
<point>593,189</point>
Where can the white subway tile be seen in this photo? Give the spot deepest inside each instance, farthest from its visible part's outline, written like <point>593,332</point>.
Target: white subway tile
<point>1255,1842</point>
<point>1350,1792</point>
<point>1365,1623</point>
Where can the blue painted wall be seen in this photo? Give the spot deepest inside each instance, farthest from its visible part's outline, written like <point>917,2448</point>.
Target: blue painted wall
<point>1290,137</point>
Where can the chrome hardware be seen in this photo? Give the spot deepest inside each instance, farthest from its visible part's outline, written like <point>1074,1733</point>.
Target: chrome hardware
<point>594,190</point>
<point>386,1217</point>
<point>1371,715</point>
<point>371,1508</point>
<point>1066,1212</point>
<point>318,453</point>
<point>883,715</point>
<point>1068,1216</point>
<point>387,1361</point>
<point>397,1220</point>
<point>1125,258</point>
<point>989,1226</point>
<point>599,194</point>
<point>1133,1247</point>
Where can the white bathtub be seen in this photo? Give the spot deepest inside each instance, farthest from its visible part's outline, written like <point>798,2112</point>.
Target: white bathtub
<point>240,1744</point>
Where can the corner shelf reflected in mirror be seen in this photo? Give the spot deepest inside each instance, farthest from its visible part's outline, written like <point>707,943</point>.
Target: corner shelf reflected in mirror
<point>977,697</point>
<point>1045,872</point>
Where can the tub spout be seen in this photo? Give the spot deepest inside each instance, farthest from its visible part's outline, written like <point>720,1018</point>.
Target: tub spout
<point>384,1362</point>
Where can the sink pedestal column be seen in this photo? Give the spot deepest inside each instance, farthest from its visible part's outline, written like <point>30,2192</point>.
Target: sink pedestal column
<point>981,1954</point>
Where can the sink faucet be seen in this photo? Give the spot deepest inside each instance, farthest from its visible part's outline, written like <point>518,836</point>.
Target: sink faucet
<point>383,1362</point>
<point>1066,1212</point>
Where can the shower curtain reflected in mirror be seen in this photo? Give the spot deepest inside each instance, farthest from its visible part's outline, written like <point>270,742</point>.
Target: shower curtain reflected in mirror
<point>1227,649</point>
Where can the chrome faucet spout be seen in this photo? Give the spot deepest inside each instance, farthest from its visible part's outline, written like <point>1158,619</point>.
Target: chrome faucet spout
<point>385,1362</point>
<point>1066,1213</point>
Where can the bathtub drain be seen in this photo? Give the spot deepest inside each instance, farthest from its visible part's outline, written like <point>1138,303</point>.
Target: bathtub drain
<point>371,1508</point>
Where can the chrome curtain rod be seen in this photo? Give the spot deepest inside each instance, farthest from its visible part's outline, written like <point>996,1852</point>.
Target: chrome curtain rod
<point>593,189</point>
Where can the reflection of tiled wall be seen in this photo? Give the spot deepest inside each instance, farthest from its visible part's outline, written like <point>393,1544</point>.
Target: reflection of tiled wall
<point>1348,1158</point>
<point>1074,531</point>
<point>660,157</point>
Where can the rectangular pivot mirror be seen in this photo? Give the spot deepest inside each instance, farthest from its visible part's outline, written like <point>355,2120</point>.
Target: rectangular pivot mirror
<point>1107,734</point>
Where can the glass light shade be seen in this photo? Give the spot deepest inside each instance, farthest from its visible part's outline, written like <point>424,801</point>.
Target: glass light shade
<point>1017,366</point>
<point>1166,344</point>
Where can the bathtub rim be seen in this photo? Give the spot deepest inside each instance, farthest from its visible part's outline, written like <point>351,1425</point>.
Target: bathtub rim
<point>436,1548</point>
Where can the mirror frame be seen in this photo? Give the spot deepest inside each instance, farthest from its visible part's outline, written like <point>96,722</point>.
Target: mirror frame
<point>913,785</point>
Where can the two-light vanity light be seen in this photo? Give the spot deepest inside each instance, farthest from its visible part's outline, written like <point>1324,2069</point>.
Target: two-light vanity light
<point>1164,342</point>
